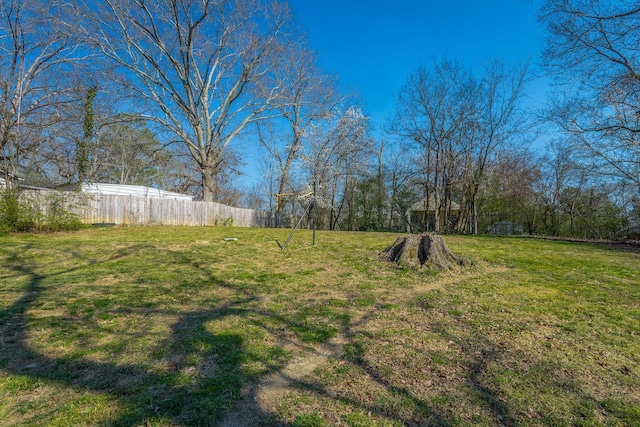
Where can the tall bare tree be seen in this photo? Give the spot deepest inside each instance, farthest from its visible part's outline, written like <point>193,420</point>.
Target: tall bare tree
<point>500,122</point>
<point>35,54</point>
<point>593,49</point>
<point>307,96</point>
<point>460,120</point>
<point>401,172</point>
<point>197,64</point>
<point>436,110</point>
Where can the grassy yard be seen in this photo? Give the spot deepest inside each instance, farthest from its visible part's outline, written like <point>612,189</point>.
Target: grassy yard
<point>176,327</point>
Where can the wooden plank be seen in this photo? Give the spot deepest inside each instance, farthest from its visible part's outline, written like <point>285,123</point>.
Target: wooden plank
<point>134,210</point>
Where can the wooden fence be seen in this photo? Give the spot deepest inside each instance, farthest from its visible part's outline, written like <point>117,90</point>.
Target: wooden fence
<point>134,210</point>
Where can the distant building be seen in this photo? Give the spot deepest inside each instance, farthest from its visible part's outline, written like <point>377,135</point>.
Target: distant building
<point>6,169</point>
<point>631,233</point>
<point>132,190</point>
<point>505,227</point>
<point>421,215</point>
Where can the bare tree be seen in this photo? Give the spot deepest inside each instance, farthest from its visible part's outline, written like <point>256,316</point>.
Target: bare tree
<point>436,110</point>
<point>35,55</point>
<point>593,49</point>
<point>339,149</point>
<point>514,195</point>
<point>198,65</point>
<point>558,170</point>
<point>307,95</point>
<point>460,121</point>
<point>499,122</point>
<point>401,173</point>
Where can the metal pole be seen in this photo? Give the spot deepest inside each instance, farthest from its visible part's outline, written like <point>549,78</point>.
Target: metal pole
<point>315,214</point>
<point>306,211</point>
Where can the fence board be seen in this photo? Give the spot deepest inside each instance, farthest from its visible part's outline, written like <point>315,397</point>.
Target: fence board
<point>135,210</point>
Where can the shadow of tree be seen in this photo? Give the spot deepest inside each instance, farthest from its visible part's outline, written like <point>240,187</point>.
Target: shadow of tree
<point>204,377</point>
<point>204,374</point>
<point>184,398</point>
<point>415,410</point>
<point>429,415</point>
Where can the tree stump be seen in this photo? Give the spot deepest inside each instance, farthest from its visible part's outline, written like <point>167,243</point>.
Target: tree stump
<point>426,250</point>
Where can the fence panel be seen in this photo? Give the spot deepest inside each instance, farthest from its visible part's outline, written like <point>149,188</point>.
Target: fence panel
<point>136,210</point>
<point>133,210</point>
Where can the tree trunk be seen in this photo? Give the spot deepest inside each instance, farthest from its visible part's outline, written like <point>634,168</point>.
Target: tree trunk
<point>210,168</point>
<point>209,181</point>
<point>284,178</point>
<point>426,250</point>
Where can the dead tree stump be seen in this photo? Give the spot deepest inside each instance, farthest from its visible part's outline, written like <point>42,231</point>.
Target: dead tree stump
<point>426,250</point>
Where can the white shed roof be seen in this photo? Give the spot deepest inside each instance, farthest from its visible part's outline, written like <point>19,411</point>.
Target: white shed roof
<point>132,190</point>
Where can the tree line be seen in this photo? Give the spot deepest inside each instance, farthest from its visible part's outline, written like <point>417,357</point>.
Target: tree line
<point>167,94</point>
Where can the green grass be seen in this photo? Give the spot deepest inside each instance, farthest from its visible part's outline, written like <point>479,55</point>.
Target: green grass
<point>174,326</point>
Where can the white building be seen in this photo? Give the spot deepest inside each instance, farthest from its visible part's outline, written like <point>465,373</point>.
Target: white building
<point>132,190</point>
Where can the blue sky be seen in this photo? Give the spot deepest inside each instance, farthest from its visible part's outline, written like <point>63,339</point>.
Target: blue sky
<point>374,45</point>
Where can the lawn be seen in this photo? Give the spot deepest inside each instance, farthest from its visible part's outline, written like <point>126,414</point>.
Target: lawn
<point>175,326</point>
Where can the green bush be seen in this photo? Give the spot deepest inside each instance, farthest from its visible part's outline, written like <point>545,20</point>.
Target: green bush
<point>22,212</point>
<point>58,217</point>
<point>220,222</point>
<point>9,211</point>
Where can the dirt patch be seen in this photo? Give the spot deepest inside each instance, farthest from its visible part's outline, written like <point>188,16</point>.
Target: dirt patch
<point>630,246</point>
<point>271,389</point>
<point>261,398</point>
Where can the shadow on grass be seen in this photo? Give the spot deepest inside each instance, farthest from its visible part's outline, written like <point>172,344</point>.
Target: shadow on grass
<point>144,395</point>
<point>186,392</point>
<point>424,413</point>
<point>203,393</point>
